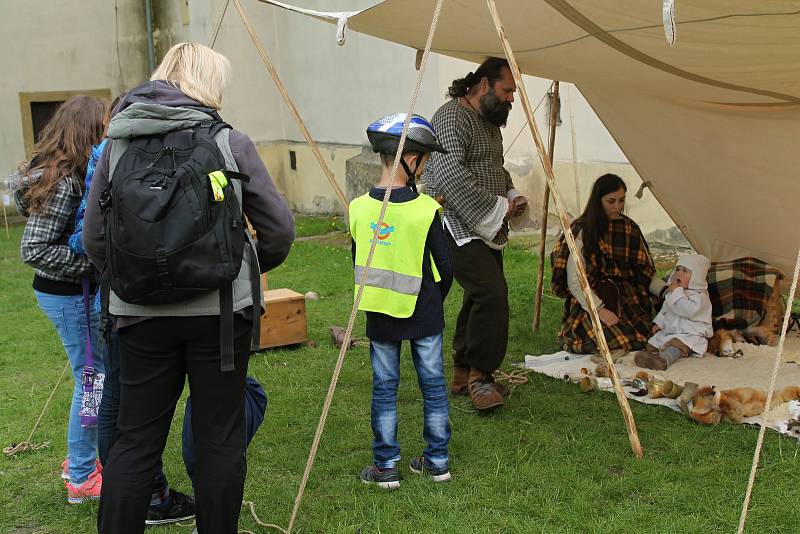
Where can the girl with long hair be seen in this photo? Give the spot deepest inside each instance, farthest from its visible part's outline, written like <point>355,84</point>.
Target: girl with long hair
<point>51,185</point>
<point>620,271</point>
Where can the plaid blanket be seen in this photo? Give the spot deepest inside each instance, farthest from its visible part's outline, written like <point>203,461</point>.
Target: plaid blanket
<point>739,291</point>
<point>625,259</point>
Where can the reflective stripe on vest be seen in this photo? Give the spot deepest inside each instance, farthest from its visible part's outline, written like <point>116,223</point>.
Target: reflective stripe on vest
<point>394,278</point>
<point>400,283</point>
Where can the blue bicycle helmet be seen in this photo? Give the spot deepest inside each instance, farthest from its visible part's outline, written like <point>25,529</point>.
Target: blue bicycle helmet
<point>384,135</point>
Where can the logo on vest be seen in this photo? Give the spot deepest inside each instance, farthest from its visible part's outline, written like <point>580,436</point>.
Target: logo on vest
<point>383,234</point>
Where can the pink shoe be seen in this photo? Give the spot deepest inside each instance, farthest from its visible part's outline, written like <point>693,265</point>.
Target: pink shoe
<point>65,468</point>
<point>90,489</point>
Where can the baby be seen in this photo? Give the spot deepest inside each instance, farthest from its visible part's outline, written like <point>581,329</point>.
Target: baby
<point>683,325</point>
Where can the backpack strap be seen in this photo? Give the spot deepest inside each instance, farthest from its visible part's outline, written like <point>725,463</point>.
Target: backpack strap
<point>118,148</point>
<point>221,133</point>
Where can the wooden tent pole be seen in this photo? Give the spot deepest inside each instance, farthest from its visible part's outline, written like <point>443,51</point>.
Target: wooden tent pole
<point>5,220</point>
<point>295,113</point>
<point>570,238</point>
<point>554,105</point>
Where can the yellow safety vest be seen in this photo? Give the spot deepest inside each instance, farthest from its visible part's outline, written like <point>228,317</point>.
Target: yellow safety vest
<point>395,274</point>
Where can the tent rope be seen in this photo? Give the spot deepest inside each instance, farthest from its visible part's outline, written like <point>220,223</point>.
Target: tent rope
<point>215,32</point>
<point>251,505</point>
<point>574,151</point>
<point>27,445</point>
<point>292,108</point>
<point>362,282</point>
<point>778,356</point>
<point>525,124</point>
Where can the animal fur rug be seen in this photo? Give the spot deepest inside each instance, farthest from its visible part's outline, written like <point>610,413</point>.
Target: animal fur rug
<point>753,369</point>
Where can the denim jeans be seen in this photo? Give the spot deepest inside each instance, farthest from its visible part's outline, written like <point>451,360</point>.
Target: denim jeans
<point>427,355</point>
<point>69,317</point>
<point>255,406</point>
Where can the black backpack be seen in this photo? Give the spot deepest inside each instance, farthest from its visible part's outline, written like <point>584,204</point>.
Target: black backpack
<point>167,238</point>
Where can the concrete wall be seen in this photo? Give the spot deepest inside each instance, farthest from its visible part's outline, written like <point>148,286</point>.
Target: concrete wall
<point>59,45</point>
<point>338,90</point>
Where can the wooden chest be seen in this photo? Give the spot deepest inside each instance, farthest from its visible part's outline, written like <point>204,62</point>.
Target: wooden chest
<point>285,320</point>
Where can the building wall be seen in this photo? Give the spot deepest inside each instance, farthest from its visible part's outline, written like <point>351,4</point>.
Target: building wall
<point>338,91</point>
<point>60,45</point>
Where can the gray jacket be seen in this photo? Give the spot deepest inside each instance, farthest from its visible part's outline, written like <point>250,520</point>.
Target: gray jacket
<point>150,109</point>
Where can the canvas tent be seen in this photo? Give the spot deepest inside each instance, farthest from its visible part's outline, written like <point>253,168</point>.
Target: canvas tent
<point>711,123</point>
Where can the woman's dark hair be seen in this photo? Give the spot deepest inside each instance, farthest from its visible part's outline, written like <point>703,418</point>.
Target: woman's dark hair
<point>593,221</point>
<point>491,69</point>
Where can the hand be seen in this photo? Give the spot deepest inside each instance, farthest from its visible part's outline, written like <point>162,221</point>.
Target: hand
<point>516,207</point>
<point>672,285</point>
<point>519,203</point>
<point>608,317</point>
<point>655,329</point>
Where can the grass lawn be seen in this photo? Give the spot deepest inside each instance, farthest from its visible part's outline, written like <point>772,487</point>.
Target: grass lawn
<point>552,460</point>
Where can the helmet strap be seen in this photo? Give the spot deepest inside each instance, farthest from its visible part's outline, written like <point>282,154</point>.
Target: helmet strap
<point>411,182</point>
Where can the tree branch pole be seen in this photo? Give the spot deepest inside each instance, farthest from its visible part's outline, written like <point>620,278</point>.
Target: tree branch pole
<point>295,113</point>
<point>570,238</point>
<point>555,104</point>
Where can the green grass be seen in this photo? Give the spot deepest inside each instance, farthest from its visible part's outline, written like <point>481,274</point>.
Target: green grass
<point>552,460</point>
<point>306,225</point>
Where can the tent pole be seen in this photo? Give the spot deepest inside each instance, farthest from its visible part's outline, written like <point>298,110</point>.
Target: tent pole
<point>570,238</point>
<point>5,219</point>
<point>554,105</point>
<point>295,113</point>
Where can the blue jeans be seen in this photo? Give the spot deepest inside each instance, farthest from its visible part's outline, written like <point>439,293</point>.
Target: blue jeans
<point>68,316</point>
<point>427,355</point>
<point>255,406</point>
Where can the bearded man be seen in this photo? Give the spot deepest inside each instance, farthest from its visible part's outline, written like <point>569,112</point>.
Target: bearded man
<point>479,198</point>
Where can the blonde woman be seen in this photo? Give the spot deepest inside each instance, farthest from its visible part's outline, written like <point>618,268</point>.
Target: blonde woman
<point>160,345</point>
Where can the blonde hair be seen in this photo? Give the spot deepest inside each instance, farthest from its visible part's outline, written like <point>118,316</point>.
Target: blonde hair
<point>198,71</point>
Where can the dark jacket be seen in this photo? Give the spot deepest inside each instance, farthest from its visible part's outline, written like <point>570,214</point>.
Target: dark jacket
<point>428,316</point>
<point>264,207</point>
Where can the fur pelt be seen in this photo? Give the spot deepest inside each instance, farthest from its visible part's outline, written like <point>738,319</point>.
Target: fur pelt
<point>764,333</point>
<point>710,405</point>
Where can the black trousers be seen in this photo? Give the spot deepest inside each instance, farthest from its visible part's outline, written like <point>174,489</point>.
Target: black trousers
<point>156,356</point>
<point>481,335</point>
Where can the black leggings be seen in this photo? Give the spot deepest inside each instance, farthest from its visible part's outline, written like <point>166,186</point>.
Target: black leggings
<point>156,356</point>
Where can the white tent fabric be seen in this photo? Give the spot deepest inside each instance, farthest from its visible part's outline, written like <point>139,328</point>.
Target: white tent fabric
<point>713,123</point>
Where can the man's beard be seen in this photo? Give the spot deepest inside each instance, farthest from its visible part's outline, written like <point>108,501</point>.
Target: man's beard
<point>493,110</point>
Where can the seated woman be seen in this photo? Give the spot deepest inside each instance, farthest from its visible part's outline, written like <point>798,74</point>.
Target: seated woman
<point>620,271</point>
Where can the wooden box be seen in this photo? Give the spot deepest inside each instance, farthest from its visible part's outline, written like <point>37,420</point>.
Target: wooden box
<point>285,320</point>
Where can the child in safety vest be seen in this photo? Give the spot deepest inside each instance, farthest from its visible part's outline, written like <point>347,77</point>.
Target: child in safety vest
<point>406,284</point>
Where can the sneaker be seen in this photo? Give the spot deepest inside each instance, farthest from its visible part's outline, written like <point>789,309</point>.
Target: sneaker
<point>90,489</point>
<point>387,478</point>
<point>179,507</point>
<point>421,466</point>
<point>65,468</point>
